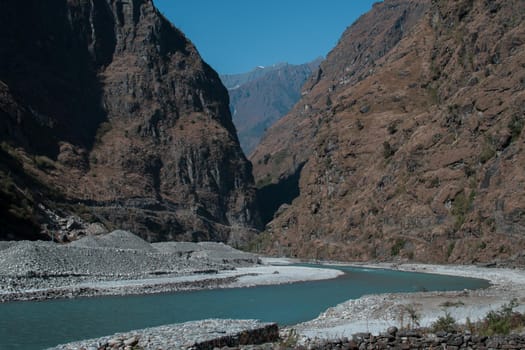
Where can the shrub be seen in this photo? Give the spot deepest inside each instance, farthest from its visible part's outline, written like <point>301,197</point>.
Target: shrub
<point>396,248</point>
<point>515,126</point>
<point>445,323</point>
<point>290,340</point>
<point>388,150</point>
<point>392,128</point>
<point>461,206</point>
<point>488,150</point>
<point>502,321</point>
<point>101,131</point>
<point>44,163</point>
<point>413,316</point>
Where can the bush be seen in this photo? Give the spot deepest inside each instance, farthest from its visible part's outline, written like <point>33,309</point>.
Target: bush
<point>502,321</point>
<point>515,126</point>
<point>388,150</point>
<point>462,206</point>
<point>396,248</point>
<point>445,323</point>
<point>44,163</point>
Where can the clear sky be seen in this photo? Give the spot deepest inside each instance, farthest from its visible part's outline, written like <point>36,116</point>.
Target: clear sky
<point>235,36</point>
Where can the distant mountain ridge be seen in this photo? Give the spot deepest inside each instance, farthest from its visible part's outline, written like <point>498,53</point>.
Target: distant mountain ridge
<point>262,96</point>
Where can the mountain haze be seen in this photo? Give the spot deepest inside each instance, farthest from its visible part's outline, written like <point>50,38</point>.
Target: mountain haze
<point>260,97</point>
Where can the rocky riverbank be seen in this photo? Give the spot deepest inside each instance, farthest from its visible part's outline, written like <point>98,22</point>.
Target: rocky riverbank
<point>362,323</point>
<point>375,313</point>
<point>121,263</point>
<point>197,335</point>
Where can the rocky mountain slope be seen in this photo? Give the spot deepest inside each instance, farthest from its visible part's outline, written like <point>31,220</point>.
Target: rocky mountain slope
<point>261,97</point>
<point>109,113</point>
<point>408,142</point>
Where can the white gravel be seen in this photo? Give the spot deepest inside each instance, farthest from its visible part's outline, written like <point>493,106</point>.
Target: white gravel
<point>375,313</point>
<point>121,263</point>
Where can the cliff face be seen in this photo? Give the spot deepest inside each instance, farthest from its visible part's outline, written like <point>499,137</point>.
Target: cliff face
<point>261,97</point>
<point>408,143</point>
<point>109,112</point>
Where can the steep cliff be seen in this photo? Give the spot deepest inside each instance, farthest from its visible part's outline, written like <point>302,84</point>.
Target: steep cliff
<point>261,97</point>
<point>408,143</point>
<point>108,112</point>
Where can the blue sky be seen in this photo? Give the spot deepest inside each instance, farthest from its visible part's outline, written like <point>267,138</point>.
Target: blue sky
<point>234,36</point>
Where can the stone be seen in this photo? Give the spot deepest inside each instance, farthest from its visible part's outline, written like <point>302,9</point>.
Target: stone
<point>114,341</point>
<point>131,341</point>
<point>392,330</point>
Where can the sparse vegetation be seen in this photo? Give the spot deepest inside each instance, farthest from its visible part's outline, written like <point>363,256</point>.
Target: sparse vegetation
<point>290,340</point>
<point>44,163</point>
<point>449,303</point>
<point>398,245</point>
<point>450,249</point>
<point>445,323</point>
<point>414,317</point>
<point>502,321</point>
<point>259,243</point>
<point>516,126</point>
<point>497,322</point>
<point>265,181</point>
<point>461,205</point>
<point>434,183</point>
<point>388,150</point>
<point>392,128</point>
<point>279,157</point>
<point>487,151</point>
<point>101,131</point>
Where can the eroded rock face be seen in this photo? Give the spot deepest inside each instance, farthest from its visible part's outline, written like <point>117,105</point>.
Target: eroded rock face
<point>409,137</point>
<point>110,108</point>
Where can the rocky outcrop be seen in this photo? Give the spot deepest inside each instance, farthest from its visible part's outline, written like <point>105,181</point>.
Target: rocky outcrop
<point>261,97</point>
<point>107,111</point>
<point>408,141</point>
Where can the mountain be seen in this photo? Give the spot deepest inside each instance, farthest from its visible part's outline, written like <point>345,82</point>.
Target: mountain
<point>407,144</point>
<point>262,96</point>
<point>110,116</point>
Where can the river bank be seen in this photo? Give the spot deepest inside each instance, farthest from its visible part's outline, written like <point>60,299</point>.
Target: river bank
<point>375,313</point>
<point>121,263</point>
<point>369,320</point>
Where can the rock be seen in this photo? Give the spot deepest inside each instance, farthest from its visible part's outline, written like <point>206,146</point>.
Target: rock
<point>72,223</point>
<point>131,341</point>
<point>392,330</point>
<point>364,109</point>
<point>114,342</point>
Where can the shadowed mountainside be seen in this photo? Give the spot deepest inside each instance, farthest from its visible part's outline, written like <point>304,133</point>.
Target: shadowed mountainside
<point>109,113</point>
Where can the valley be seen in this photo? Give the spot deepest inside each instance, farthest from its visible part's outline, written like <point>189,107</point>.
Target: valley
<point>334,200</point>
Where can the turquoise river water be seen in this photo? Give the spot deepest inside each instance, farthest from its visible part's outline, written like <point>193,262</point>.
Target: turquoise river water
<point>37,325</point>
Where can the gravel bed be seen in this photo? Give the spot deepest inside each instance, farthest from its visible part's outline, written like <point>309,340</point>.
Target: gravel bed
<point>206,334</point>
<point>38,268</point>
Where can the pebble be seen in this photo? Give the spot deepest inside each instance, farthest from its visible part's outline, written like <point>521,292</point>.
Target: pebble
<point>54,269</point>
<point>205,334</point>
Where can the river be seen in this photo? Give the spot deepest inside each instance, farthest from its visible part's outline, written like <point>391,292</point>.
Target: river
<point>37,325</point>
